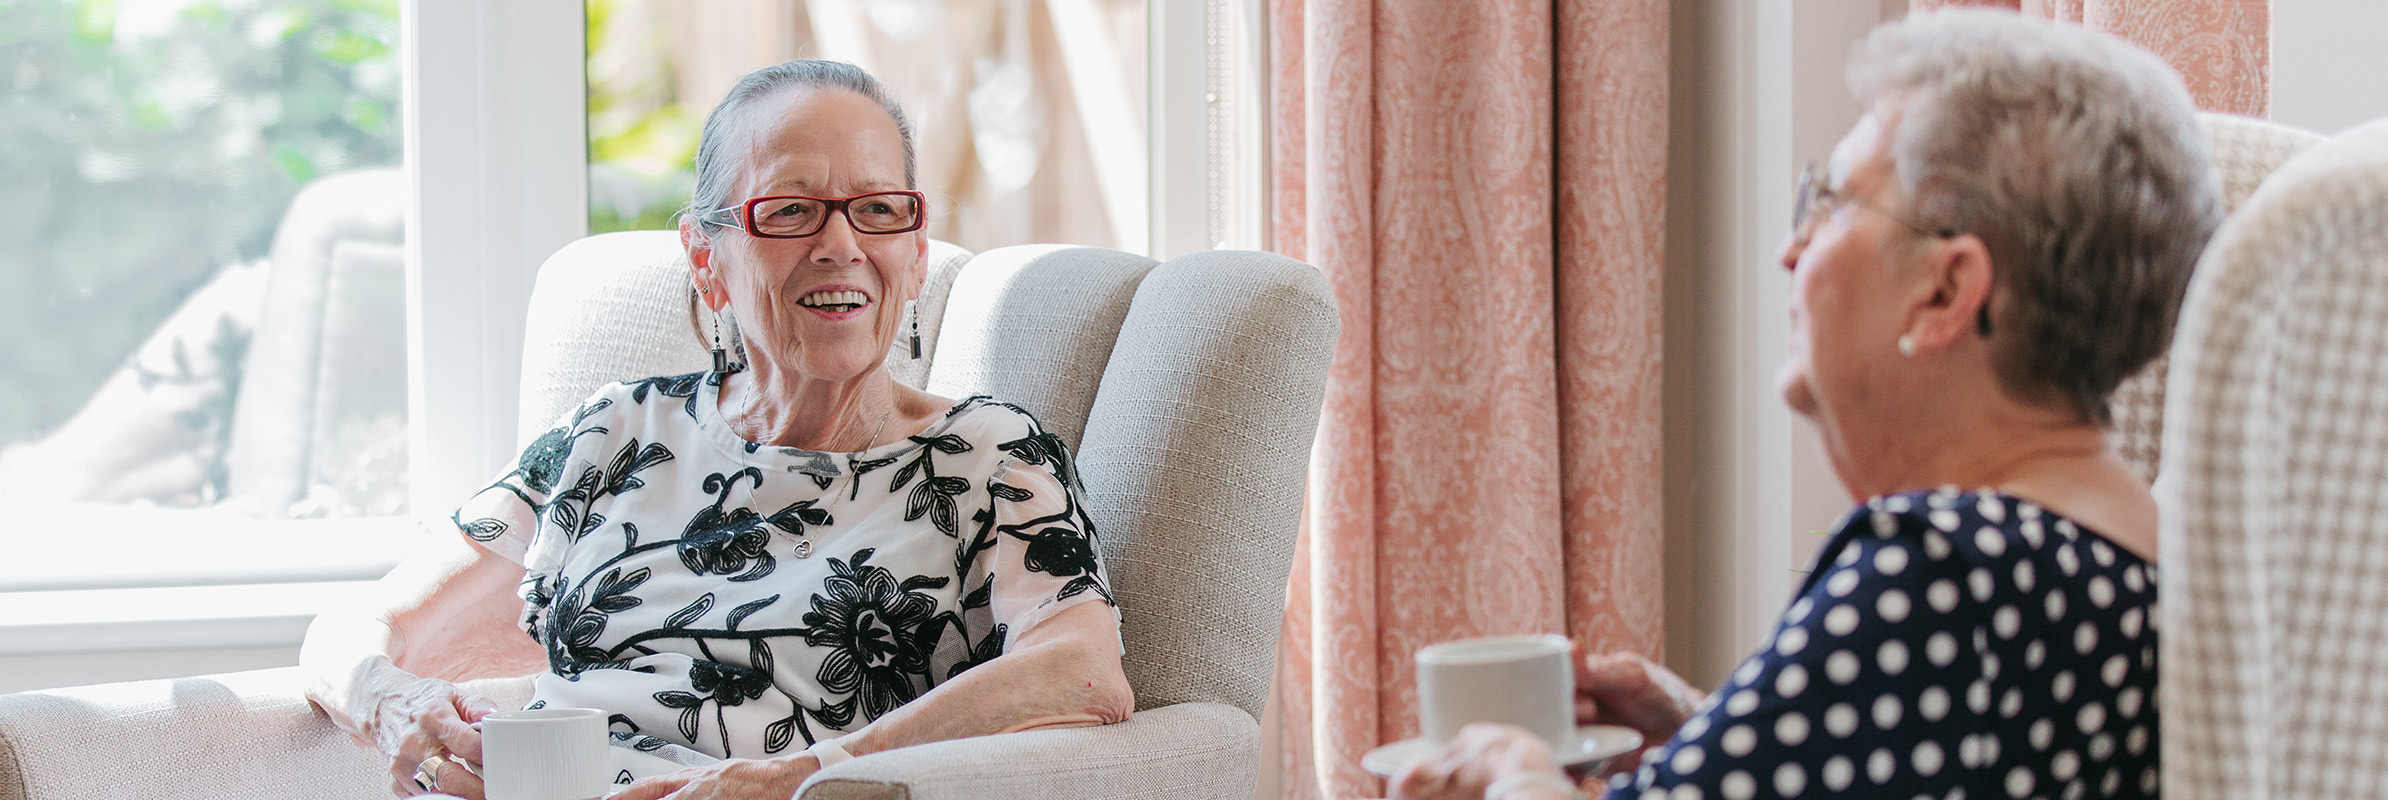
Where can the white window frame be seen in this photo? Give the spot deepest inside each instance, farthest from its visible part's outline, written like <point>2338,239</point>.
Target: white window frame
<point>1207,88</point>
<point>495,151</point>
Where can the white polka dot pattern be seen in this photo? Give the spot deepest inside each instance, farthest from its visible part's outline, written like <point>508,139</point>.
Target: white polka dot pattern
<point>1991,664</point>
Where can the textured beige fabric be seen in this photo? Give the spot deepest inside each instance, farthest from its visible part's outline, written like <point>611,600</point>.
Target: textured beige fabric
<point>245,734</point>
<point>1187,750</point>
<point>2245,151</point>
<point>1032,325</point>
<point>2275,537</point>
<point>617,306</point>
<point>1194,461</point>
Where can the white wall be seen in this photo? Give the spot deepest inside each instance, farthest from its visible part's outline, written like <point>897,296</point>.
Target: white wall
<point>2329,63</point>
<point>1756,92</point>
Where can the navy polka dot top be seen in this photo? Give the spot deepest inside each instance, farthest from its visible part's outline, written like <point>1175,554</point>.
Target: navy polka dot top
<point>1947,645</point>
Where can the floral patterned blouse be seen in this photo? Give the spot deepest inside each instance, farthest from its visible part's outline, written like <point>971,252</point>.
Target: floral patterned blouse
<point>1948,645</point>
<point>745,601</point>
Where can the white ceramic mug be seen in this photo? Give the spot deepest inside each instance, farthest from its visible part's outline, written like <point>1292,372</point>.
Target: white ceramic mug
<point>1516,680</point>
<point>545,754</point>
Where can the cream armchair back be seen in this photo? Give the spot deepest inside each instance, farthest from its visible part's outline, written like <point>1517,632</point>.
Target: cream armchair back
<point>1191,390</point>
<point>2275,528</point>
<point>2245,151</point>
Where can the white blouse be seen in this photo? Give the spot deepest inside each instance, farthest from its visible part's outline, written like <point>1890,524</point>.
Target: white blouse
<point>746,601</point>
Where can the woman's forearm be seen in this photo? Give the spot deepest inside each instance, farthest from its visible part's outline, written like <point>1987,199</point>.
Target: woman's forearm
<point>446,613</point>
<point>1063,672</point>
<point>346,663</point>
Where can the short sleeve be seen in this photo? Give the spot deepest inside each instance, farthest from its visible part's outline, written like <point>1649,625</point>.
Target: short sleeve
<point>1872,684</point>
<point>504,516</point>
<point>1039,555</point>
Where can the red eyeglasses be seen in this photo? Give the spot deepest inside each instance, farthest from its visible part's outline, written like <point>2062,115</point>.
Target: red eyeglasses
<point>797,216</point>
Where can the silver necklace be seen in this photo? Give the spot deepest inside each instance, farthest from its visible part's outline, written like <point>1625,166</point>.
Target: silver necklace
<point>804,544</point>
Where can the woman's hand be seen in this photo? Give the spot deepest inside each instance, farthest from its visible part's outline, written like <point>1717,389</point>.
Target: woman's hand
<point>1481,754</point>
<point>734,779</point>
<point>1627,689</point>
<point>425,717</point>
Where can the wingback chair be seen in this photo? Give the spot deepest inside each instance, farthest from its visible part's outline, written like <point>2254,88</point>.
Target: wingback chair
<point>2274,544</point>
<point>2245,151</point>
<point>1191,390</point>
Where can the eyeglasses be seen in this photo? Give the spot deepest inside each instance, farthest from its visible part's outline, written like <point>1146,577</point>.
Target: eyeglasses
<point>1816,201</point>
<point>796,216</point>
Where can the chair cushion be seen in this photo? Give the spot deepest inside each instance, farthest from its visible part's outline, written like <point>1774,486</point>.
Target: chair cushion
<point>1194,460</point>
<point>1032,325</point>
<point>245,734</point>
<point>2276,469</point>
<point>2245,151</point>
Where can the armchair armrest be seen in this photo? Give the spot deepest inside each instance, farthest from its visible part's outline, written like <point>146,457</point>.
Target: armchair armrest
<point>244,734</point>
<point>250,734</point>
<point>1189,750</point>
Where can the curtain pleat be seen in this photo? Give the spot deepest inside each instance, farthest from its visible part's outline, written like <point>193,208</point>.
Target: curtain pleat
<point>1484,185</point>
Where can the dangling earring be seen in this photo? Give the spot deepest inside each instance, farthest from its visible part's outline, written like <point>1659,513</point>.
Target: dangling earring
<point>721,356</point>
<point>915,329</point>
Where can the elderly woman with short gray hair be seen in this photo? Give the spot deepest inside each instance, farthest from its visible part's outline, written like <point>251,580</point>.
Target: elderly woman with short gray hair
<point>781,562</point>
<point>2004,236</point>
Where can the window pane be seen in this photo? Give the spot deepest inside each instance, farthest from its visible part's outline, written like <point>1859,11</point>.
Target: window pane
<point>201,274</point>
<point>1030,114</point>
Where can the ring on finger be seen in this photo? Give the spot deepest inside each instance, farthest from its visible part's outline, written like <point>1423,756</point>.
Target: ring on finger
<point>427,772</point>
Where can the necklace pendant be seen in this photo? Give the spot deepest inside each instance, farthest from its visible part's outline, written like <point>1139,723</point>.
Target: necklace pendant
<point>804,548</point>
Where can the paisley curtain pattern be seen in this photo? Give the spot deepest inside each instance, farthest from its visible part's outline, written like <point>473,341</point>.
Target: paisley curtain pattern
<point>2222,48</point>
<point>1484,185</point>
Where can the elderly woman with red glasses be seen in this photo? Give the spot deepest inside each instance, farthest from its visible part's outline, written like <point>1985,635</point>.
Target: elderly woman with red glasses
<point>2004,236</point>
<point>782,562</point>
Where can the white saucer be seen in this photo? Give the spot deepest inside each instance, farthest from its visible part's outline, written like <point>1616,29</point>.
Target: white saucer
<point>1593,746</point>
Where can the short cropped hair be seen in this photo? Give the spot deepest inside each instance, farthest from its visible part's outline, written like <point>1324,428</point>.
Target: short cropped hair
<point>2077,159</point>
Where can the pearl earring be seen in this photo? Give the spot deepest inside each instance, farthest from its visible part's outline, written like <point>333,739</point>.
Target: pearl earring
<point>1906,345</point>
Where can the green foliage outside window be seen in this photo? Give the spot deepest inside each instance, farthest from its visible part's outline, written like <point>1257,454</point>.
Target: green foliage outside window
<point>642,138</point>
<point>140,153</point>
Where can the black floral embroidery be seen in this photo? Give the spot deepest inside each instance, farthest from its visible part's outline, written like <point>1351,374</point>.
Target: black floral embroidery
<point>543,462</point>
<point>876,633</point>
<point>1044,449</point>
<point>873,626</point>
<point>576,623</point>
<point>1059,551</point>
<point>572,509</point>
<point>719,542</point>
<point>681,386</point>
<point>728,684</point>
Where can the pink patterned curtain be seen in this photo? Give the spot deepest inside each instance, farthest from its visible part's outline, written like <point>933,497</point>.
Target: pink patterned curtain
<point>1484,185</point>
<point>2222,48</point>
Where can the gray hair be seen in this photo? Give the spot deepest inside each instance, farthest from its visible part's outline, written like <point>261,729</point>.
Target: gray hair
<point>2078,161</point>
<point>720,148</point>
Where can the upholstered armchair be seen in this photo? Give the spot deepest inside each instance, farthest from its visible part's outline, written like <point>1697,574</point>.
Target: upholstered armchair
<point>2245,151</point>
<point>2273,542</point>
<point>1191,390</point>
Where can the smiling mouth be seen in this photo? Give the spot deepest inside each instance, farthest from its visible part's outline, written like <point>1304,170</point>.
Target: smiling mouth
<point>834,302</point>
